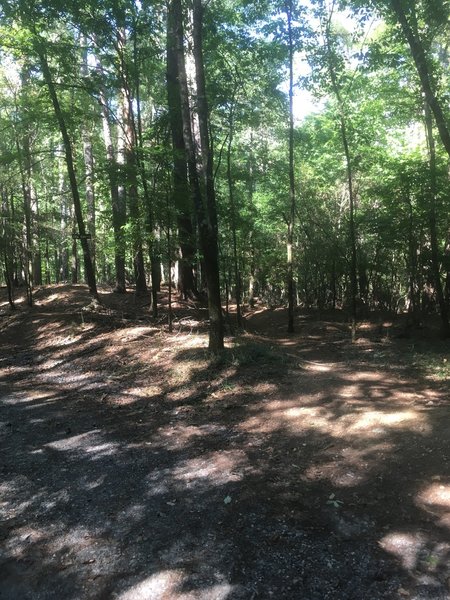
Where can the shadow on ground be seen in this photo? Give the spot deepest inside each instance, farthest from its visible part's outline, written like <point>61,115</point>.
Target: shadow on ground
<point>134,467</point>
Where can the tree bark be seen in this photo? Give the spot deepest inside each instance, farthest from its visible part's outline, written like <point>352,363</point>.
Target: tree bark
<point>208,218</point>
<point>155,270</point>
<point>180,193</point>
<point>205,209</point>
<point>129,183</point>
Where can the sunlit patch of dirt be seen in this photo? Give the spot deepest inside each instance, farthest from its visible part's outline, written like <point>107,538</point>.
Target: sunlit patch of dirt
<point>169,584</point>
<point>435,499</point>
<point>135,334</point>
<point>288,467</point>
<point>216,468</point>
<point>404,546</point>
<point>364,423</point>
<point>91,443</point>
<point>23,537</point>
<point>317,367</point>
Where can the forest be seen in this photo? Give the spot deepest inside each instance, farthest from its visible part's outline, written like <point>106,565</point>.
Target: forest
<point>224,299</point>
<point>297,154</point>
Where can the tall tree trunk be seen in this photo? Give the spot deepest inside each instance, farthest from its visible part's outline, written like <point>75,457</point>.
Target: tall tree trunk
<point>61,252</point>
<point>253,266</point>
<point>181,199</point>
<point>345,143</point>
<point>74,267</point>
<point>32,202</point>
<point>205,210</point>
<point>153,242</point>
<point>88,266</point>
<point>90,193</point>
<point>433,227</point>
<point>88,157</point>
<point>117,201</point>
<point>6,245</point>
<point>27,256</point>
<point>414,296</point>
<point>209,232</point>
<point>237,275</point>
<point>129,183</point>
<point>292,199</point>
<point>155,270</point>
<point>22,142</point>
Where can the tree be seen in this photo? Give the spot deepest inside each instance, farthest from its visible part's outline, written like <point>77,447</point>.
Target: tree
<point>203,199</point>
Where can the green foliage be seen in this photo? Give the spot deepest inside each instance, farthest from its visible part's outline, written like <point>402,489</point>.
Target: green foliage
<point>245,56</point>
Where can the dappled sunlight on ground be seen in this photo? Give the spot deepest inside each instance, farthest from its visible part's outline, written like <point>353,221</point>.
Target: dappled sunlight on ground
<point>318,367</point>
<point>364,423</point>
<point>135,466</point>
<point>91,443</point>
<point>404,546</point>
<point>168,584</point>
<point>435,499</point>
<point>217,468</point>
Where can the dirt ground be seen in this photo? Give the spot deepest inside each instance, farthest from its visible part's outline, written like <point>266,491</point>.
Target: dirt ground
<point>294,467</point>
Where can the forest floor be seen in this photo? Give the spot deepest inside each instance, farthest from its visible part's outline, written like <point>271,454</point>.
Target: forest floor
<point>133,466</point>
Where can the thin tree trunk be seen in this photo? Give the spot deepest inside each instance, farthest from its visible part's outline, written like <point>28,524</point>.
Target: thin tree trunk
<point>414,298</point>
<point>433,228</point>
<point>348,161</point>
<point>88,266</point>
<point>88,157</point>
<point>74,256</point>
<point>292,198</point>
<point>90,193</point>
<point>155,271</point>
<point>129,184</point>
<point>252,275</point>
<point>117,205</point>
<point>6,245</point>
<point>169,256</point>
<point>27,235</point>
<point>237,275</point>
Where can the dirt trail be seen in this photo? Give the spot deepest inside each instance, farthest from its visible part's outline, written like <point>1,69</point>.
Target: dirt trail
<point>133,467</point>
